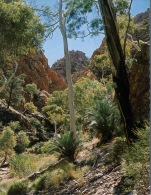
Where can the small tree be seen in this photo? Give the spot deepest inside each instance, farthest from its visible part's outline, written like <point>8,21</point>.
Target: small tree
<point>55,114</point>
<point>13,92</point>
<point>32,90</point>
<point>7,143</point>
<point>21,32</point>
<point>22,142</point>
<point>30,107</point>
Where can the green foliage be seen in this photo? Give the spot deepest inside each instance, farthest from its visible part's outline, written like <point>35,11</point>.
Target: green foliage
<point>22,142</point>
<point>66,145</point>
<point>121,6</point>
<point>13,92</point>
<point>86,93</point>
<point>32,89</point>
<point>119,146</point>
<point>56,176</point>
<point>77,18</point>
<point>40,185</point>
<point>50,179</point>
<point>20,188</point>
<point>15,126</point>
<point>35,123</point>
<point>22,165</point>
<point>30,107</point>
<point>37,148</point>
<point>55,114</point>
<point>58,98</point>
<point>46,147</point>
<point>136,161</point>
<point>17,16</point>
<point>106,119</point>
<point>7,140</point>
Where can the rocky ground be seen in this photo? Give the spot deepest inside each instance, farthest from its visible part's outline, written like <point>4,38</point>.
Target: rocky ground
<point>101,179</point>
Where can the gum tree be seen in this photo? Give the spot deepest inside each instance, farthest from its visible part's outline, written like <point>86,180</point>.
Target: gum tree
<point>21,32</point>
<point>118,65</point>
<point>109,12</point>
<point>62,25</point>
<point>56,18</point>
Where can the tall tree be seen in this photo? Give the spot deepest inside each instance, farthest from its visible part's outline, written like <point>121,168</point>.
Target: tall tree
<point>57,19</point>
<point>62,24</point>
<point>119,73</point>
<point>109,14</point>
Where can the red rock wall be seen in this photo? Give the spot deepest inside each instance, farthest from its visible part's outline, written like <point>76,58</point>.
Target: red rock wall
<point>35,67</point>
<point>139,83</point>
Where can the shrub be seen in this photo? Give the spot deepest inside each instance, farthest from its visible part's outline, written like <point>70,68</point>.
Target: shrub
<point>32,89</point>
<point>40,185</point>
<point>57,176</point>
<point>66,145</point>
<point>136,161</point>
<point>22,142</point>
<point>19,188</point>
<point>47,147</point>
<point>30,107</point>
<point>118,149</point>
<point>22,165</point>
<point>15,126</point>
<point>107,119</point>
<point>7,143</point>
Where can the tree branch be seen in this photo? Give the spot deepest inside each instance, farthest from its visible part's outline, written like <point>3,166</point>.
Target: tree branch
<point>35,175</point>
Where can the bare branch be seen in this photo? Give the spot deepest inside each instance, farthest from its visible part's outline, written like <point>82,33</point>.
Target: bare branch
<point>51,32</point>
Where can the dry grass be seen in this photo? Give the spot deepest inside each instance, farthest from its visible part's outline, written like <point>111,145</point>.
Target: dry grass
<point>5,185</point>
<point>43,161</point>
<point>58,175</point>
<point>86,152</point>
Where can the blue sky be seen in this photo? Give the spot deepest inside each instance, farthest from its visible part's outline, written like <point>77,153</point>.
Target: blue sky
<point>53,48</point>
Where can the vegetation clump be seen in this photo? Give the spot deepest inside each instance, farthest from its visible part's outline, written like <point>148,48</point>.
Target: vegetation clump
<point>7,143</point>
<point>20,188</point>
<point>23,165</point>
<point>135,161</point>
<point>22,142</point>
<point>66,145</point>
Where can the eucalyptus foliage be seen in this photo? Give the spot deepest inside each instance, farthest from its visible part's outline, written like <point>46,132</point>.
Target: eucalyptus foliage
<point>21,29</point>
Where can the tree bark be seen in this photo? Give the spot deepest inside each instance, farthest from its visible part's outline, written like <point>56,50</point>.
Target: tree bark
<point>62,21</point>
<point>119,73</point>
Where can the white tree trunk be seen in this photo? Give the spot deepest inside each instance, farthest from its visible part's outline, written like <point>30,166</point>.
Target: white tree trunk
<point>68,70</point>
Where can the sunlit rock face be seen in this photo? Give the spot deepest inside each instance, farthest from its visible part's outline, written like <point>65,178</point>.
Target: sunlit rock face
<point>35,67</point>
<point>78,62</point>
<point>97,70</point>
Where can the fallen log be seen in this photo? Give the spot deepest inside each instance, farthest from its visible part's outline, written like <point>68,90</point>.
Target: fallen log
<point>35,175</point>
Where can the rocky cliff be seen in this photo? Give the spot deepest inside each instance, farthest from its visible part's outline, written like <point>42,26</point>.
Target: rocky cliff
<point>139,83</point>
<point>139,73</point>
<point>35,67</point>
<point>97,70</point>
<point>142,31</point>
<point>78,62</point>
